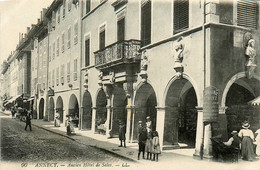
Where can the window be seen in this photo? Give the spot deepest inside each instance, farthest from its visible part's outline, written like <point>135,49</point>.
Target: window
<point>69,37</point>
<point>53,48</point>
<point>50,53</point>
<point>68,72</point>
<point>76,33</point>
<point>102,40</point>
<point>63,42</point>
<point>62,74</point>
<point>64,8</point>
<point>181,15</point>
<point>53,20</point>
<point>58,45</point>
<point>146,23</point>
<point>75,69</point>
<point>121,29</point>
<point>247,13</point>
<point>58,15</point>
<point>87,6</point>
<point>57,76</point>
<point>69,5</point>
<point>87,52</point>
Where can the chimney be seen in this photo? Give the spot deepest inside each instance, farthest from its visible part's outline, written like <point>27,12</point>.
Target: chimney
<point>25,35</point>
<point>28,29</point>
<point>39,20</point>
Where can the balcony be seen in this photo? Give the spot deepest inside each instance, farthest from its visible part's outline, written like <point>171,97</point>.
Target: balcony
<point>118,53</point>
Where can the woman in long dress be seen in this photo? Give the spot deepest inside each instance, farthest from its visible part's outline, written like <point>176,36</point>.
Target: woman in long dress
<point>247,147</point>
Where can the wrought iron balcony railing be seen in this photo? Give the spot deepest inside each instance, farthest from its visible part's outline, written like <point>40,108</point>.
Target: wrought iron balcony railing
<point>118,51</point>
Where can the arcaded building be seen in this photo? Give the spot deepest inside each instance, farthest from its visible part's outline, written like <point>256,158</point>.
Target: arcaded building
<point>192,69</point>
<point>63,60</point>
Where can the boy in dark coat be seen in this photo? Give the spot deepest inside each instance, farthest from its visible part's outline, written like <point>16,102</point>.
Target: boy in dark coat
<point>28,121</point>
<point>141,141</point>
<point>122,131</point>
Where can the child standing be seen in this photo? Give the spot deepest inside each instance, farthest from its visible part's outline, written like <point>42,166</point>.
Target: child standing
<point>156,146</point>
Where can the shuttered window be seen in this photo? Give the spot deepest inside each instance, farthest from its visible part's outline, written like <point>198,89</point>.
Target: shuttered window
<point>247,13</point>
<point>102,39</point>
<point>146,23</point>
<point>87,52</point>
<point>87,6</point>
<point>181,15</point>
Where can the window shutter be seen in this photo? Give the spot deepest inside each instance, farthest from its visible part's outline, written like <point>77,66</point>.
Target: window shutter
<point>57,76</point>
<point>75,69</point>
<point>87,52</point>
<point>181,15</point>
<point>58,46</point>
<point>69,37</point>
<point>247,14</point>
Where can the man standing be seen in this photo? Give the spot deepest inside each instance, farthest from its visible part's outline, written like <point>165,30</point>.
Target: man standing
<point>28,121</point>
<point>122,131</point>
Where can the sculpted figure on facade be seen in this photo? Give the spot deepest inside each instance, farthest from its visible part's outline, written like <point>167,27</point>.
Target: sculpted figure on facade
<point>144,66</point>
<point>100,78</point>
<point>144,61</point>
<point>178,56</point>
<point>250,53</point>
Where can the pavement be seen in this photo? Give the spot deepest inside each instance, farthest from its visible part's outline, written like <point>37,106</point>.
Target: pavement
<point>178,158</point>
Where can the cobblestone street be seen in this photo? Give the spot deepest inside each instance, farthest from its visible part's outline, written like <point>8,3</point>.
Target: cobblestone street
<point>40,145</point>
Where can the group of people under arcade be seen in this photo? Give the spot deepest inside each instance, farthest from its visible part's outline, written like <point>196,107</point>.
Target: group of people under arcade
<point>247,144</point>
<point>148,140</point>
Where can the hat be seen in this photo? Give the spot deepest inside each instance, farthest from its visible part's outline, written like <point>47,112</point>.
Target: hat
<point>234,132</point>
<point>140,122</point>
<point>245,124</point>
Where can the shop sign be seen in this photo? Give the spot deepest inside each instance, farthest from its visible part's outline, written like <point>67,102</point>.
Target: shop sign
<point>210,104</point>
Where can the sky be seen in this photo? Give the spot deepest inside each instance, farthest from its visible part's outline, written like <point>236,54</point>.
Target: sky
<point>15,17</point>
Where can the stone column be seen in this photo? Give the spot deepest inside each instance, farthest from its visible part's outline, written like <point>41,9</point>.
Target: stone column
<point>160,123</point>
<point>81,111</point>
<point>128,123</point>
<point>133,124</point>
<point>93,126</point>
<point>199,133</point>
<point>128,88</point>
<point>108,91</point>
<point>108,117</point>
<point>207,152</point>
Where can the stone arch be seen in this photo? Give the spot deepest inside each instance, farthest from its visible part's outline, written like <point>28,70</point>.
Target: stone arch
<point>101,109</point>
<point>87,111</point>
<point>194,85</point>
<point>51,109</point>
<point>232,81</point>
<point>119,112</point>
<point>238,91</point>
<point>180,100</point>
<point>145,102</point>
<point>59,108</point>
<point>41,108</point>
<point>74,109</point>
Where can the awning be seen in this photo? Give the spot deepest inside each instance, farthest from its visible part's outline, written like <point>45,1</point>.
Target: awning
<point>255,102</point>
<point>14,98</point>
<point>30,99</point>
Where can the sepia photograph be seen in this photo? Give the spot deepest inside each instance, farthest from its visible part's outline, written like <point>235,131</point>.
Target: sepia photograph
<point>130,84</point>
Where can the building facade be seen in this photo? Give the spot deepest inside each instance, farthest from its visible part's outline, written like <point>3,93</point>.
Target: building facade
<point>190,66</point>
<point>136,63</point>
